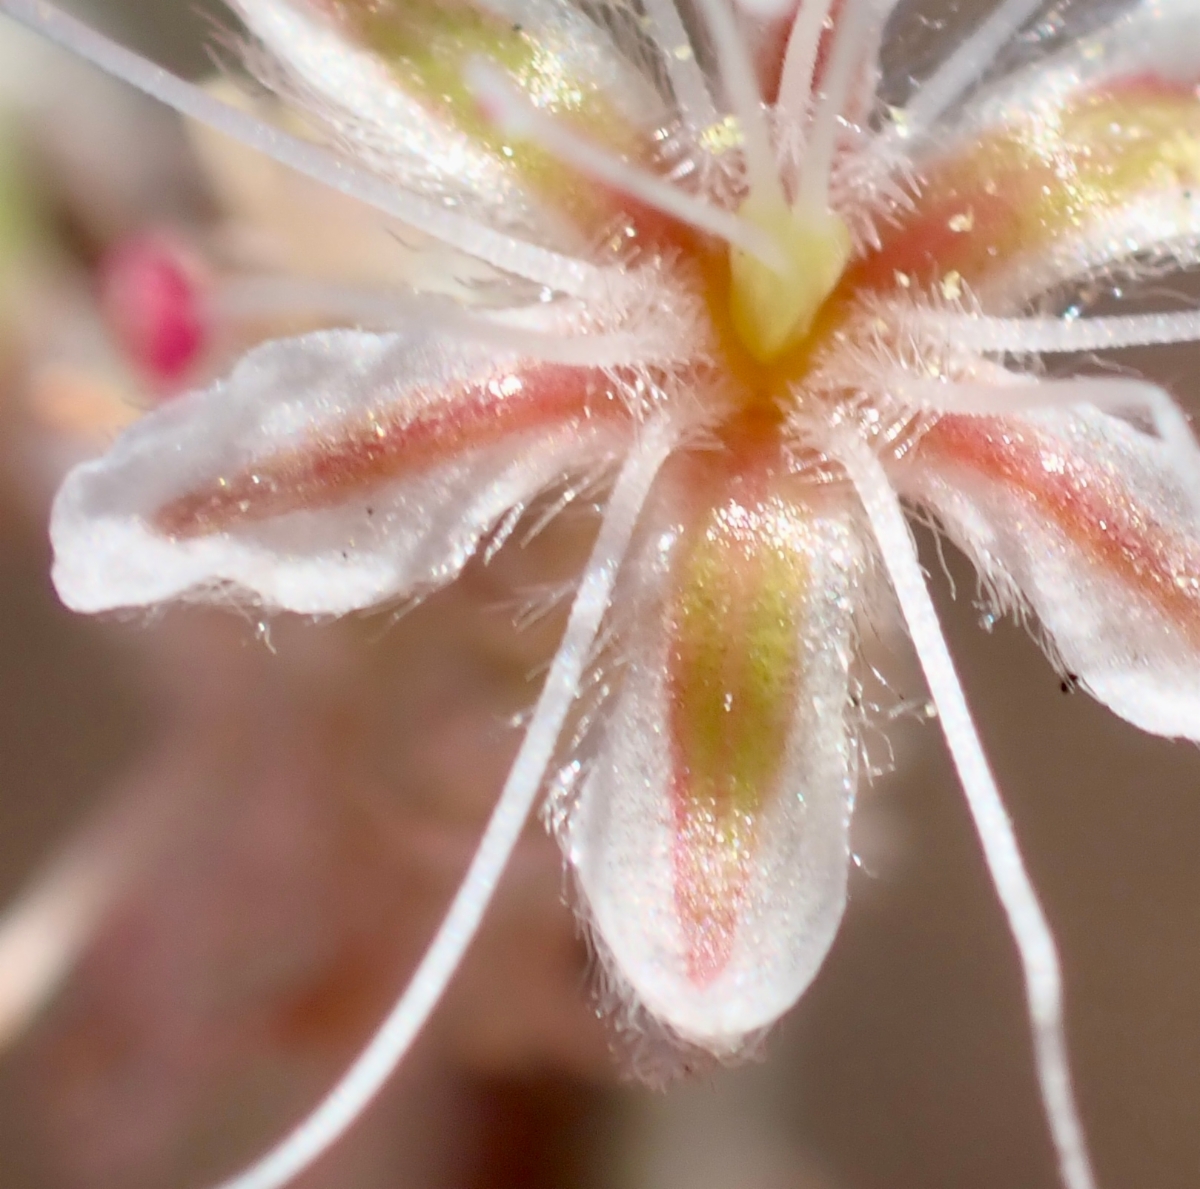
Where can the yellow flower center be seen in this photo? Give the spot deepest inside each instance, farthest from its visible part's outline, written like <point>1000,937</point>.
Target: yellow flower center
<point>773,306</point>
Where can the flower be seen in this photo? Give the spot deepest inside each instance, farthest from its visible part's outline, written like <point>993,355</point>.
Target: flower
<point>771,321</point>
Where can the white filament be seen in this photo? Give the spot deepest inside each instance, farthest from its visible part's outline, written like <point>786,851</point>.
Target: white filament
<point>1030,930</point>
<point>800,61</point>
<point>375,1064</point>
<point>979,332</point>
<point>253,297</point>
<point>844,63</point>
<point>744,97</point>
<point>513,113</point>
<point>964,67</point>
<point>522,259</point>
<point>517,328</point>
<point>679,55</point>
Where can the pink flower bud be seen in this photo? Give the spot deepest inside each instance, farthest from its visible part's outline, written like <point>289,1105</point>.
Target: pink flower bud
<point>151,293</point>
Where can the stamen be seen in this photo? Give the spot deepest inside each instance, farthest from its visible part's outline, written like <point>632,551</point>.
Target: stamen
<point>1020,336</point>
<point>964,67</point>
<point>512,112</point>
<point>504,252</point>
<point>844,62</point>
<point>800,61</point>
<point>1031,932</point>
<point>375,1064</point>
<point>679,55</point>
<point>273,297</point>
<point>1111,395</point>
<point>742,92</point>
<point>269,297</point>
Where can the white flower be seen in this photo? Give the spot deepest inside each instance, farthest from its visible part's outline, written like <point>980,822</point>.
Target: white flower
<point>771,321</point>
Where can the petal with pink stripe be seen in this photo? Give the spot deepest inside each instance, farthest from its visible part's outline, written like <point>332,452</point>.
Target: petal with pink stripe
<point>710,834</point>
<point>1083,519</point>
<point>328,473</point>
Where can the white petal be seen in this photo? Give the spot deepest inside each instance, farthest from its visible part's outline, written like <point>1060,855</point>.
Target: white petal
<point>1159,221</point>
<point>365,545</point>
<point>351,91</point>
<point>359,97</point>
<point>1159,38</point>
<point>622,834</point>
<point>1083,519</point>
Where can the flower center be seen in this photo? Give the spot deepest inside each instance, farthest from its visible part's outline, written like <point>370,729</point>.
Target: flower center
<point>773,306</point>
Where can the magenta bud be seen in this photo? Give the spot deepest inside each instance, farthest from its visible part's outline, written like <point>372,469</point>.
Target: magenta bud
<point>151,293</point>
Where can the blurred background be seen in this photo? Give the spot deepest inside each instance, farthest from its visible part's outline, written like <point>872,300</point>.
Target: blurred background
<point>293,803</point>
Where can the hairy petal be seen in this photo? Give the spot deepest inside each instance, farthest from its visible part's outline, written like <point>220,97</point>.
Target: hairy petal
<point>327,473</point>
<point>389,80</point>
<point>709,837</point>
<point>1088,163</point>
<point>1086,521</point>
<point>1147,37</point>
<point>351,90</point>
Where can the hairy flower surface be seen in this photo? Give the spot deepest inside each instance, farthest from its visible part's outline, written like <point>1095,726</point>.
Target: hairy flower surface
<point>702,260</point>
